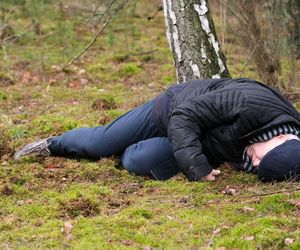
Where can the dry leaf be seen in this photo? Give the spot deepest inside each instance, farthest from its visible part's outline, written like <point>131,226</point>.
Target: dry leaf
<point>29,201</point>
<point>170,217</point>
<point>56,68</point>
<point>249,238</point>
<point>218,230</point>
<point>247,209</point>
<point>230,191</point>
<point>66,230</point>
<point>215,232</point>
<point>7,190</point>
<point>81,72</point>
<point>148,248</point>
<point>51,165</point>
<point>26,77</point>
<point>75,84</point>
<point>127,242</point>
<point>84,81</point>
<point>52,81</point>
<point>35,79</point>
<point>296,203</point>
<point>184,199</point>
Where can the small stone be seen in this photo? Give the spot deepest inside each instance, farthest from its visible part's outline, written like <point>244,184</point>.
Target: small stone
<point>288,241</point>
<point>20,202</point>
<point>64,179</point>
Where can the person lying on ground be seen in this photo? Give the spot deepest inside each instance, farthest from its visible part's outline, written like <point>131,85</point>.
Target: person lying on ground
<point>194,127</point>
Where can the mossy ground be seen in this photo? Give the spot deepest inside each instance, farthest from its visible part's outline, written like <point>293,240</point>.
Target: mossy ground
<point>107,207</point>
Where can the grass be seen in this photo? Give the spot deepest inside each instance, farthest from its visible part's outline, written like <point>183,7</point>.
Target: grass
<point>107,207</point>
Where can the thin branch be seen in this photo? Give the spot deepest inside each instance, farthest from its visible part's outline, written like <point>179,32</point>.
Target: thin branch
<point>268,193</point>
<point>144,53</point>
<point>248,58</point>
<point>159,8</point>
<point>88,45</point>
<point>232,11</point>
<point>240,198</point>
<point>214,233</point>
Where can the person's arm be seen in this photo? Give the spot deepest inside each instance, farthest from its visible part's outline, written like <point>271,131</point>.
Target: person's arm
<point>190,119</point>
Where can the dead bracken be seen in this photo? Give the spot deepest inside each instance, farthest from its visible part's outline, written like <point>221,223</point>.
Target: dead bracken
<point>79,207</point>
<point>104,104</point>
<point>7,190</point>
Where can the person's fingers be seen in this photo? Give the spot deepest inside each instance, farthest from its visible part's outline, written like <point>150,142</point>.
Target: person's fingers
<point>212,175</point>
<point>216,172</point>
<point>212,178</point>
<point>209,177</point>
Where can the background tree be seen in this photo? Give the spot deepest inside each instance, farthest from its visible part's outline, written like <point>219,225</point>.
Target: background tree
<point>193,40</point>
<point>293,11</point>
<point>250,33</point>
<point>269,31</point>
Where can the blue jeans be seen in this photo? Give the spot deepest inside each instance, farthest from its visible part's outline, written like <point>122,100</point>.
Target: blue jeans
<point>133,136</point>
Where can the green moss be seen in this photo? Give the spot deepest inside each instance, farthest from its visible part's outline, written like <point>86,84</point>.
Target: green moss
<point>3,96</point>
<point>130,69</point>
<point>17,132</point>
<point>109,208</point>
<point>141,213</point>
<point>48,124</point>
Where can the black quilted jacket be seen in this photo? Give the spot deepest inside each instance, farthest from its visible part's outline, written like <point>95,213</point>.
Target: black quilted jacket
<point>210,121</point>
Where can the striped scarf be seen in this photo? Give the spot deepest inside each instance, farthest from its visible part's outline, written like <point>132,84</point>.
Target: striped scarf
<point>286,128</point>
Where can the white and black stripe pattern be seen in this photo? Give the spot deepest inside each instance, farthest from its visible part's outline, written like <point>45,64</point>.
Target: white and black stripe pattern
<point>287,128</point>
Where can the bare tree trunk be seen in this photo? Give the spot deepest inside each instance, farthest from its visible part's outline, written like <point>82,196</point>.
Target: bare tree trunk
<point>293,10</point>
<point>193,40</point>
<point>249,31</point>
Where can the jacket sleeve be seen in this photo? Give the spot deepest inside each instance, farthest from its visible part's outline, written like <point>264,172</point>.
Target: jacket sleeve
<point>191,119</point>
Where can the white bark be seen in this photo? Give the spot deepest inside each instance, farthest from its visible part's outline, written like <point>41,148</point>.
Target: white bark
<point>193,41</point>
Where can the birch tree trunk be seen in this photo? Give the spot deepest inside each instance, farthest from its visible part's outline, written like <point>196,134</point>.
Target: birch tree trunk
<point>193,40</point>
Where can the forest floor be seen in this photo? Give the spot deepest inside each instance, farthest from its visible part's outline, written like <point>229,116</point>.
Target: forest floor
<point>58,203</point>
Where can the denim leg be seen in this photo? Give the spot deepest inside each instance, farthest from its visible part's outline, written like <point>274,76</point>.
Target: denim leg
<point>112,139</point>
<point>151,157</point>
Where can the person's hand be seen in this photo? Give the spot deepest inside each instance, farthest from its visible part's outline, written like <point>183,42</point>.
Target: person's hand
<point>212,175</point>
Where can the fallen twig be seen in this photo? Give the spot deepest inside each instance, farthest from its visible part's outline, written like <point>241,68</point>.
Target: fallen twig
<point>88,45</point>
<point>239,198</point>
<point>214,233</point>
<point>159,8</point>
<point>144,53</point>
